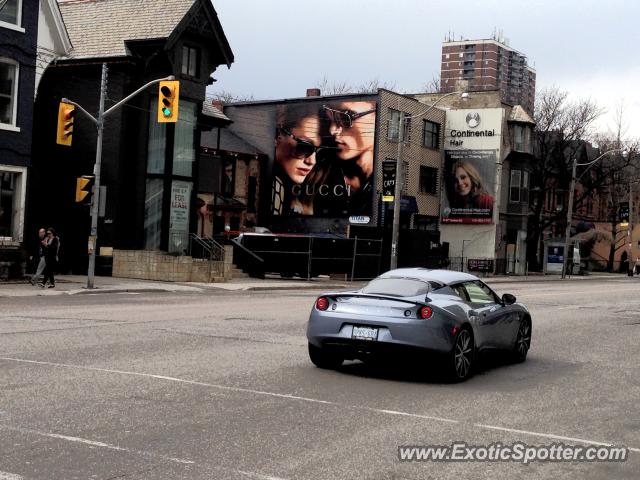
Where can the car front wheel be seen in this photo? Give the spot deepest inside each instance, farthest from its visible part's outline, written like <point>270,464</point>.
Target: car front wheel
<point>323,358</point>
<point>523,341</point>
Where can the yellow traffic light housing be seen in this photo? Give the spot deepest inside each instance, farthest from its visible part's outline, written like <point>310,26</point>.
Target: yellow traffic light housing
<point>84,189</point>
<point>168,100</point>
<point>66,116</point>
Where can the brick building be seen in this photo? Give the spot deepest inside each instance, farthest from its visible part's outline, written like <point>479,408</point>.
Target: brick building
<point>488,64</point>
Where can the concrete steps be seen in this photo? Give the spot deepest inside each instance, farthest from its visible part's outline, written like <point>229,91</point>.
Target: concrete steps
<point>237,273</point>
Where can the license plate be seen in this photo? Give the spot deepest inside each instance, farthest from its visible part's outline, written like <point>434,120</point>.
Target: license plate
<point>365,333</point>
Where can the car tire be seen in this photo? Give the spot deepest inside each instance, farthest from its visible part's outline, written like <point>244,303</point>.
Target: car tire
<point>523,341</point>
<point>322,358</point>
<point>462,356</point>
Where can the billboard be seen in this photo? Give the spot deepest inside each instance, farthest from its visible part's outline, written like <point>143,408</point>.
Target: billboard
<point>324,159</point>
<point>468,186</point>
<point>472,149</point>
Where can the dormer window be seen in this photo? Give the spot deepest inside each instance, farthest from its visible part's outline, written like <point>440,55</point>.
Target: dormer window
<point>190,61</point>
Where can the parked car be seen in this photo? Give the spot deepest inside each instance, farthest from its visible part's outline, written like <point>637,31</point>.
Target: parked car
<point>454,315</point>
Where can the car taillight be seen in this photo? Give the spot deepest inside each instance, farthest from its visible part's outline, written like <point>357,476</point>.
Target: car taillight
<point>425,312</point>
<point>322,303</point>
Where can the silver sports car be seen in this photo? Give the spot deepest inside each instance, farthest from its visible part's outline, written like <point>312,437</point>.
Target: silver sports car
<point>448,313</point>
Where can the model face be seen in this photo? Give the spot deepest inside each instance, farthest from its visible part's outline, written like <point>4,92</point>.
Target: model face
<point>293,152</point>
<point>463,182</point>
<point>353,141</point>
<point>41,233</point>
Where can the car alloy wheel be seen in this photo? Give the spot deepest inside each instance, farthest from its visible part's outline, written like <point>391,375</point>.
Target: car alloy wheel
<point>463,355</point>
<point>523,341</point>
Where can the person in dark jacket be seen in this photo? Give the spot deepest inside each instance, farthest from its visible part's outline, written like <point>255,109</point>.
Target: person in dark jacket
<point>51,247</point>
<point>38,256</point>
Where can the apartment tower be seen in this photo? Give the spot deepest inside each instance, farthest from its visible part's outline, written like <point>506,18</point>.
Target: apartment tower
<point>477,65</point>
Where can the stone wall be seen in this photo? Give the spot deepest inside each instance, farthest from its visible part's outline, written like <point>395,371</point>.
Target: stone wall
<point>154,265</point>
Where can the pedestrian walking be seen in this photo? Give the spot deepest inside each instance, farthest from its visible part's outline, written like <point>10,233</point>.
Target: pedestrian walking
<point>39,256</point>
<point>636,268</point>
<point>51,250</point>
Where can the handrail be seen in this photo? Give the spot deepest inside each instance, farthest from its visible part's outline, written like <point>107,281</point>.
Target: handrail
<point>246,250</point>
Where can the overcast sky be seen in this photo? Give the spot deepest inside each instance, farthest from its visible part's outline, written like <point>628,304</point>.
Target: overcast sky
<point>282,47</point>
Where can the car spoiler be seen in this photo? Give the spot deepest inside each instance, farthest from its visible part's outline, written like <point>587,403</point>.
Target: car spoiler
<point>371,295</point>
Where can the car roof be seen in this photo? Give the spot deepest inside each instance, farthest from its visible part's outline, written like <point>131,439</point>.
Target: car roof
<point>446,277</point>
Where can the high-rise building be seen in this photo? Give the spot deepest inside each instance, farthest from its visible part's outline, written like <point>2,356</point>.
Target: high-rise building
<point>476,65</point>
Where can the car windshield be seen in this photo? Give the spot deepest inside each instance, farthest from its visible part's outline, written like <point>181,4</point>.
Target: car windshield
<point>397,287</point>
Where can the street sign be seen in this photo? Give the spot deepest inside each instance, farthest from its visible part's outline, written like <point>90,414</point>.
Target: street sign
<point>359,219</point>
<point>388,180</point>
<point>623,212</point>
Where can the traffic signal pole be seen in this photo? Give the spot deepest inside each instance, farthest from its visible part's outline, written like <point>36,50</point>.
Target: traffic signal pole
<point>99,122</point>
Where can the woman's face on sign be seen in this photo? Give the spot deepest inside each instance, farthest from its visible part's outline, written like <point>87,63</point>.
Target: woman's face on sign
<point>292,149</point>
<point>462,182</point>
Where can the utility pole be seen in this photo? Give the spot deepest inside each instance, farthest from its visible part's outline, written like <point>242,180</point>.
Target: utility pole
<point>96,187</point>
<point>630,265</point>
<point>99,122</point>
<point>396,199</point>
<point>567,232</point>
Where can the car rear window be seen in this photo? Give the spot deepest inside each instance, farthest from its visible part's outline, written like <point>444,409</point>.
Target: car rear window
<point>397,287</point>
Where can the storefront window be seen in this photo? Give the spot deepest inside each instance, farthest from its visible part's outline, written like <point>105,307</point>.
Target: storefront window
<point>153,214</point>
<point>7,200</point>
<point>10,11</point>
<point>157,141</point>
<point>184,153</point>
<point>8,90</point>
<point>179,216</point>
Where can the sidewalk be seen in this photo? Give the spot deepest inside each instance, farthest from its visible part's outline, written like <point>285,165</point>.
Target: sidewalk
<point>75,284</point>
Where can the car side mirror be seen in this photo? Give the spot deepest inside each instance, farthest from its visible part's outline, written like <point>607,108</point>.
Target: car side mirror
<point>508,299</point>
<point>472,313</point>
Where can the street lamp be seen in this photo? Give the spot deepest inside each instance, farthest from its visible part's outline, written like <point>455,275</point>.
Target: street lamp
<point>399,170</point>
<point>567,232</point>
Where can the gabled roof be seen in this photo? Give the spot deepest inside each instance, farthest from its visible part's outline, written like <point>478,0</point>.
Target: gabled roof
<point>212,111</point>
<point>518,114</point>
<point>100,28</point>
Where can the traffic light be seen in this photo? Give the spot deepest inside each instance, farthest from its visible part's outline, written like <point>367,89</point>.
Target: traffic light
<point>84,189</point>
<point>66,115</point>
<point>168,99</point>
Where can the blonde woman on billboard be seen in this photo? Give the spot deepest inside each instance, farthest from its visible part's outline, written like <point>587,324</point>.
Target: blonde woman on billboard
<point>296,144</point>
<point>468,191</point>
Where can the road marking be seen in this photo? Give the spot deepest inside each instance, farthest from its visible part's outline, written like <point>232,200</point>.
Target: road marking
<point>311,400</point>
<point>548,435</point>
<point>567,293</point>
<point>9,476</point>
<point>93,443</point>
<point>259,476</point>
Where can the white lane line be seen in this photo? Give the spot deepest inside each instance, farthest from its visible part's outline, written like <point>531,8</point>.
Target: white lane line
<point>9,476</point>
<point>93,443</point>
<point>305,399</point>
<point>548,435</point>
<point>259,476</point>
<point>173,379</point>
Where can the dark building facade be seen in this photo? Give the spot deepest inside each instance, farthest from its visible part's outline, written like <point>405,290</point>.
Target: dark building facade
<point>489,64</point>
<point>149,169</point>
<point>18,51</point>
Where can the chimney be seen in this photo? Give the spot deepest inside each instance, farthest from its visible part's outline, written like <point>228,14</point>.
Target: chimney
<point>218,104</point>
<point>313,92</point>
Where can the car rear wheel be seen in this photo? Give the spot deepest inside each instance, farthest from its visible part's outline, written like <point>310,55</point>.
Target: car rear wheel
<point>462,356</point>
<point>323,358</point>
<point>523,341</point>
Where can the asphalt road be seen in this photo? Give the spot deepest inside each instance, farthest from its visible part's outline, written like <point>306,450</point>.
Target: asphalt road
<point>219,386</point>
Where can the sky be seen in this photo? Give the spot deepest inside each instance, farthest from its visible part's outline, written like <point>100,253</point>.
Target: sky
<point>282,47</point>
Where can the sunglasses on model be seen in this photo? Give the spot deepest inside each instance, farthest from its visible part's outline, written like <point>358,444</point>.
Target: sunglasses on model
<point>345,118</point>
<point>303,148</point>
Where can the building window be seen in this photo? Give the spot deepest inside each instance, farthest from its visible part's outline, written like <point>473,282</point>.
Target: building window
<point>8,91</point>
<point>519,186</point>
<point>190,57</point>
<point>430,134</point>
<point>521,135</point>
<point>156,144</point>
<point>428,179</point>
<point>153,214</point>
<point>393,124</point>
<point>7,199</point>
<point>184,153</point>
<point>228,178</point>
<point>10,11</point>
<point>252,191</point>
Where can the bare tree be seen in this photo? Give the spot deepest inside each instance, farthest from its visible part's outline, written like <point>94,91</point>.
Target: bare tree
<point>562,130</point>
<point>328,87</point>
<point>432,86</point>
<point>228,97</point>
